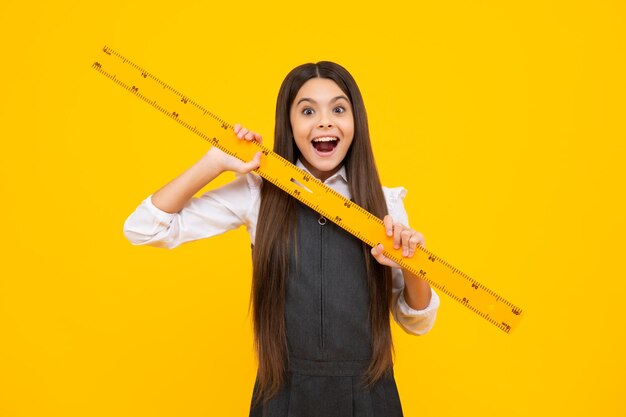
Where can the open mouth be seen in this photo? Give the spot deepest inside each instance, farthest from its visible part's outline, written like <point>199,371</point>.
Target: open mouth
<point>325,144</point>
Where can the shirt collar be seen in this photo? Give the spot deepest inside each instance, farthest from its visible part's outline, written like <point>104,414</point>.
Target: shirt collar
<point>339,175</point>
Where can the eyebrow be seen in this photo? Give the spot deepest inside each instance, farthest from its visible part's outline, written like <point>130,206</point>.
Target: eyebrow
<point>315,102</point>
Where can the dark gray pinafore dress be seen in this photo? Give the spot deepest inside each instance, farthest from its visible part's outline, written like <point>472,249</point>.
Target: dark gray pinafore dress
<point>328,330</point>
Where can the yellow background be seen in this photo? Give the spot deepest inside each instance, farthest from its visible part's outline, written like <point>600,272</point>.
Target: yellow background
<point>505,120</point>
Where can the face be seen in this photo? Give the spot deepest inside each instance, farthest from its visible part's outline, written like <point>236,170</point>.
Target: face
<point>322,124</point>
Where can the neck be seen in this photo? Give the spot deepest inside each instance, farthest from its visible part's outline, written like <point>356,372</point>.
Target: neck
<point>320,175</point>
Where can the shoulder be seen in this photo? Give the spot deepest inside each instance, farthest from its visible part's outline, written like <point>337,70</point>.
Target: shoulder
<point>394,196</point>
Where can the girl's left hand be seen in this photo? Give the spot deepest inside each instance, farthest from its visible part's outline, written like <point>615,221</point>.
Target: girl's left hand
<point>403,237</point>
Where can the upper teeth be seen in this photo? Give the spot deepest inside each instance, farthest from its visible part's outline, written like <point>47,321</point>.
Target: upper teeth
<point>325,139</point>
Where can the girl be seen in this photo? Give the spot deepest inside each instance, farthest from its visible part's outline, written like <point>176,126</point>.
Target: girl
<point>320,297</point>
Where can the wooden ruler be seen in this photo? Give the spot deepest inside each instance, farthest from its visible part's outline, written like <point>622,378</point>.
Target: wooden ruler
<point>307,189</point>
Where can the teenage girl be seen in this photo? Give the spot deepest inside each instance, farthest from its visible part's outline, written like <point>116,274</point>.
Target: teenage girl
<point>321,299</point>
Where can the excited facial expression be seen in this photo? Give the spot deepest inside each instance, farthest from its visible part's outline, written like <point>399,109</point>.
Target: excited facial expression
<point>322,123</point>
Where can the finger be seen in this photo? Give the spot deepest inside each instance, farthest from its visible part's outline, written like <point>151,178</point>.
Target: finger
<point>397,235</point>
<point>237,128</point>
<point>416,239</point>
<point>406,234</point>
<point>253,136</point>
<point>242,133</point>
<point>257,158</point>
<point>388,222</point>
<point>251,165</point>
<point>377,253</point>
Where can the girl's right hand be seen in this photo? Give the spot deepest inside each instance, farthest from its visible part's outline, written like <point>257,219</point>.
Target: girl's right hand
<point>230,163</point>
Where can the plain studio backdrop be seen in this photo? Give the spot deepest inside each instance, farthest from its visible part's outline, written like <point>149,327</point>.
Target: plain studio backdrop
<point>504,120</point>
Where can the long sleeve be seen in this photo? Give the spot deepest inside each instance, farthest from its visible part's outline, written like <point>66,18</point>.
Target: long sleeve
<point>214,212</point>
<point>417,322</point>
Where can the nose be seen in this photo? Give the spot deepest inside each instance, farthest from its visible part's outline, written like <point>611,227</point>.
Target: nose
<point>324,121</point>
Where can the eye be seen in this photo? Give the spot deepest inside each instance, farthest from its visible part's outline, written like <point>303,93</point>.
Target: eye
<point>339,109</point>
<point>307,111</point>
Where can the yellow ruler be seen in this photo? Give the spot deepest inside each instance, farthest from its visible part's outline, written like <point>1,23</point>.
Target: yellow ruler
<point>306,188</point>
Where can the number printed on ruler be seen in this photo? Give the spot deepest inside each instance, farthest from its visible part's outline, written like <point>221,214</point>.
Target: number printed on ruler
<point>306,188</point>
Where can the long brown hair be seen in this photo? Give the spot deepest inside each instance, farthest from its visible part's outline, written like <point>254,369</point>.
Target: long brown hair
<point>276,228</point>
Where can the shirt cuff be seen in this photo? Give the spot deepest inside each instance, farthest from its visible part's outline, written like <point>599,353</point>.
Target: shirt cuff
<point>417,322</point>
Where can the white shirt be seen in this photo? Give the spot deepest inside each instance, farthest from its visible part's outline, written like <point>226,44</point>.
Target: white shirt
<point>237,204</point>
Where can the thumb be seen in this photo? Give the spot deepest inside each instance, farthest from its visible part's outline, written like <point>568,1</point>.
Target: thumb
<point>251,165</point>
<point>378,254</point>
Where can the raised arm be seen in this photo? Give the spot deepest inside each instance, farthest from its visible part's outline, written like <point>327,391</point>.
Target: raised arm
<point>172,197</point>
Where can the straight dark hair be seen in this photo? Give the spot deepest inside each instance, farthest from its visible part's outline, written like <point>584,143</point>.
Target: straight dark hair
<point>276,230</point>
